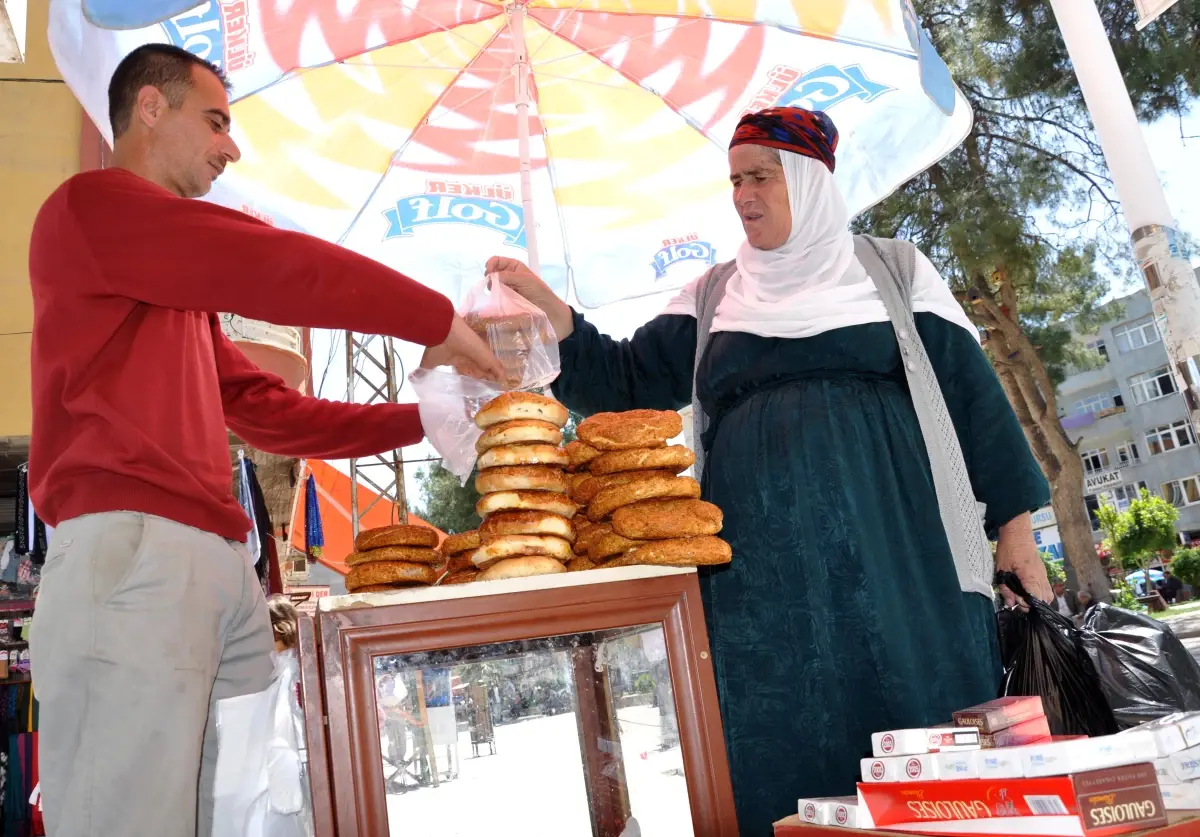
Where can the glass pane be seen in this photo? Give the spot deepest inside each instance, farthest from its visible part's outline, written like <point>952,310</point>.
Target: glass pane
<point>1122,341</point>
<point>1166,384</point>
<point>569,735</point>
<point>1191,490</point>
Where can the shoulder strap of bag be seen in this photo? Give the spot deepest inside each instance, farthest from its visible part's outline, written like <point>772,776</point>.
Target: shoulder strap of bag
<point>709,295</point>
<point>892,266</point>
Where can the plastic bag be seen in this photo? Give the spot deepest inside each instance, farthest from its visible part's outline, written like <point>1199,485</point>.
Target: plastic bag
<point>520,335</point>
<point>447,403</point>
<point>518,332</point>
<point>1144,670</point>
<point>1043,657</point>
<point>260,788</point>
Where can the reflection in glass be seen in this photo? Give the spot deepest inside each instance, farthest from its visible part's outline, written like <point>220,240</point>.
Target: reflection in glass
<point>568,735</point>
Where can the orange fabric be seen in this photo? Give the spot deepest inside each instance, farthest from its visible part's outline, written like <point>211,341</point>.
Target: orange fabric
<point>333,498</point>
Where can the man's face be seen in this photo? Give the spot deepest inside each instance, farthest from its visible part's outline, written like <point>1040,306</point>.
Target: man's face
<point>191,143</point>
<point>1059,588</point>
<point>760,196</point>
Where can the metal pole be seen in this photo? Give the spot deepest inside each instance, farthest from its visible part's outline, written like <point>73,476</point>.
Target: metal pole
<point>393,393</point>
<point>521,71</point>
<point>1173,286</point>
<point>350,377</point>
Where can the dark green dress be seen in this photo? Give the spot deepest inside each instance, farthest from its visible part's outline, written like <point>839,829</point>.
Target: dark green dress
<point>841,614</point>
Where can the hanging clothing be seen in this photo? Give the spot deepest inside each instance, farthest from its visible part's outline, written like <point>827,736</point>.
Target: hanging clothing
<point>262,532</point>
<point>246,500</point>
<point>22,538</point>
<point>314,530</point>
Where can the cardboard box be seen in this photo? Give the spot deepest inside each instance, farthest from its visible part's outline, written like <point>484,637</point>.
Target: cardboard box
<point>1061,758</point>
<point>915,742</point>
<point>899,769</point>
<point>1094,803</point>
<point>1033,731</point>
<point>999,714</point>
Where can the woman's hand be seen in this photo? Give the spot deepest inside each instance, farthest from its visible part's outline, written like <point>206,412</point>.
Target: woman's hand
<point>465,351</point>
<point>1017,552</point>
<point>516,275</point>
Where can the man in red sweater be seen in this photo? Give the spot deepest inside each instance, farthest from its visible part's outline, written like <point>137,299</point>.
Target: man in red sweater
<point>149,610</point>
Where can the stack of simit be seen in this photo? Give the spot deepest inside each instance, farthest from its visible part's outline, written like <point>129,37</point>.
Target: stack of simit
<point>457,550</point>
<point>393,557</point>
<point>639,510</point>
<point>527,528</point>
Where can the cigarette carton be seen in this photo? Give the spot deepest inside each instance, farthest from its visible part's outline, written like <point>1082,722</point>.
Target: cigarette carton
<point>899,769</point>
<point>1186,764</point>
<point>1184,796</point>
<point>1033,731</point>
<point>1061,758</point>
<point>958,766</point>
<point>840,811</point>
<point>915,742</point>
<point>1001,713</point>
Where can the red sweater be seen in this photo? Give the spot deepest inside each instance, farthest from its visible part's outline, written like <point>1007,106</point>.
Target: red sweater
<point>133,382</point>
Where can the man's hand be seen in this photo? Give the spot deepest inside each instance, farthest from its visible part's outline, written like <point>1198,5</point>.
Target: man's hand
<point>465,351</point>
<point>516,275</point>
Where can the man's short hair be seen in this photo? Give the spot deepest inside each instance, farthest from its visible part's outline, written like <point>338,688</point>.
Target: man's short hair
<point>163,66</point>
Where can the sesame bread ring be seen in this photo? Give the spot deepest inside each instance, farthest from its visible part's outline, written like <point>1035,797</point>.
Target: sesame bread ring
<point>514,546</point>
<point>606,546</point>
<point>525,432</point>
<point>588,490</point>
<point>587,533</point>
<point>580,563</point>
<point>460,577</point>
<point>579,454</point>
<point>657,519</point>
<point>395,536</point>
<point>576,480</point>
<point>458,544</point>
<point>506,455</point>
<point>659,488</point>
<point>409,554</point>
<point>630,430</point>
<point>675,459</point>
<point>460,562</point>
<point>547,501</point>
<point>522,567</point>
<point>516,406</point>
<point>377,588</point>
<point>678,552</point>
<point>521,478</point>
<point>389,572</point>
<point>527,523</point>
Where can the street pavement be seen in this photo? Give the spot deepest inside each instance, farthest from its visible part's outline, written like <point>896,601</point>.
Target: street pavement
<point>1187,628</point>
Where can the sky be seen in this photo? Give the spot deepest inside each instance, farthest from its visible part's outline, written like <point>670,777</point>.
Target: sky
<point>1174,146</point>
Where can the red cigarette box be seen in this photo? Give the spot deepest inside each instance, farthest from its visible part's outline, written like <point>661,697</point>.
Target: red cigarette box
<point>1098,803</point>
<point>1001,713</point>
<point>1018,735</point>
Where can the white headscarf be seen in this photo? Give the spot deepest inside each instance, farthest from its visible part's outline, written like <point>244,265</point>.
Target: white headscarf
<point>813,283</point>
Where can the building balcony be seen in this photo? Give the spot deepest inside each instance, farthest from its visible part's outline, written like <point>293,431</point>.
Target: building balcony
<point>1077,421</point>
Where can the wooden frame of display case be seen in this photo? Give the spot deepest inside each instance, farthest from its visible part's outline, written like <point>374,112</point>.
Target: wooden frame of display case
<point>350,638</point>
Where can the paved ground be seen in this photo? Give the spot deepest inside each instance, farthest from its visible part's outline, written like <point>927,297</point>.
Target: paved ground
<point>1187,628</point>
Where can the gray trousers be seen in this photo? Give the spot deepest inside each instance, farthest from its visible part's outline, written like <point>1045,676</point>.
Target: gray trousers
<point>142,624</point>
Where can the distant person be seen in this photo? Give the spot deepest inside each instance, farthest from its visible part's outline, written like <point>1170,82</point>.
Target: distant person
<point>1065,601</point>
<point>1171,587</point>
<point>149,609</point>
<point>1085,604</point>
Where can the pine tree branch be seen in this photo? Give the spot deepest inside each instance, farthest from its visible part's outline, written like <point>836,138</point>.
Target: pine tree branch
<point>1064,162</point>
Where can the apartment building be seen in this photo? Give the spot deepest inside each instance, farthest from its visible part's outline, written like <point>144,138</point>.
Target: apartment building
<point>1132,422</point>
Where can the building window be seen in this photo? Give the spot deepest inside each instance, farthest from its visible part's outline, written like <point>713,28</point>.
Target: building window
<point>1092,503</point>
<point>1099,348</point>
<point>1135,335</point>
<point>1151,385</point>
<point>1169,437</point>
<point>1095,461</point>
<point>1184,492</point>
<point>1123,495</point>
<point>1127,454</point>
<point>1099,403</point>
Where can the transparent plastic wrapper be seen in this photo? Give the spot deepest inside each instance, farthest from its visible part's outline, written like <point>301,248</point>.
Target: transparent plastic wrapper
<point>520,335</point>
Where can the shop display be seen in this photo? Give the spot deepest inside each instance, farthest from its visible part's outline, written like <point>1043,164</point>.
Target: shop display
<point>911,742</point>
<point>391,557</point>
<point>1000,714</point>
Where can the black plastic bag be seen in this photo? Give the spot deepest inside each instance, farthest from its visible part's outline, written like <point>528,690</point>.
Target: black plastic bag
<point>1144,670</point>
<point>1043,657</point>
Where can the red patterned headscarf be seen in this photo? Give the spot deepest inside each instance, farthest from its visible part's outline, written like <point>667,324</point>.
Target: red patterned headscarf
<point>805,132</point>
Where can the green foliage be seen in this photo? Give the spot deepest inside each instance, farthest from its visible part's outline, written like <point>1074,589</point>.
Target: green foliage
<point>644,684</point>
<point>1124,597</point>
<point>1054,570</point>
<point>1186,566</point>
<point>446,504</point>
<point>1140,532</point>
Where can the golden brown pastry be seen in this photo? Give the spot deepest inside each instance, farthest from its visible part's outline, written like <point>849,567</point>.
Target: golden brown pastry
<point>675,459</point>
<point>460,577</point>
<point>632,429</point>
<point>458,544</point>
<point>579,454</point>
<point>659,519</point>
<point>507,455</point>
<point>521,478</point>
<point>589,488</point>
<point>547,501</point>
<point>527,523</point>
<point>521,568</point>
<point>395,536</point>
<point>606,546</point>
<point>395,573</point>
<point>678,552</point>
<point>524,432</point>
<point>659,488</point>
<point>410,554</point>
<point>460,562</point>
<point>512,546</point>
<point>580,563</point>
<point>588,536</point>
<point>518,406</point>
<point>378,588</point>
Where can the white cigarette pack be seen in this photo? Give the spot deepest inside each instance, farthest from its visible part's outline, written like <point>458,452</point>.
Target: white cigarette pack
<point>1182,797</point>
<point>1166,775</point>
<point>1168,738</point>
<point>1061,758</point>
<point>920,768</point>
<point>1186,764</point>
<point>1004,763</point>
<point>961,765</point>
<point>1188,724</point>
<point>915,742</point>
<point>840,811</point>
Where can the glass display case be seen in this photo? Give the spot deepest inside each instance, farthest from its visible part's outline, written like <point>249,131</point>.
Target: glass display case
<point>574,704</point>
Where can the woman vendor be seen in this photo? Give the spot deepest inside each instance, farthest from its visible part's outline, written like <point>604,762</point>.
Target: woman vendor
<point>843,612</point>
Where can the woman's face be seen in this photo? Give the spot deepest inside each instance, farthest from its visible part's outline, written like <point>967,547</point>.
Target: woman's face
<point>760,196</point>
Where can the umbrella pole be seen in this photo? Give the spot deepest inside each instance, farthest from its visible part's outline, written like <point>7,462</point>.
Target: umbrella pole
<point>521,72</point>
